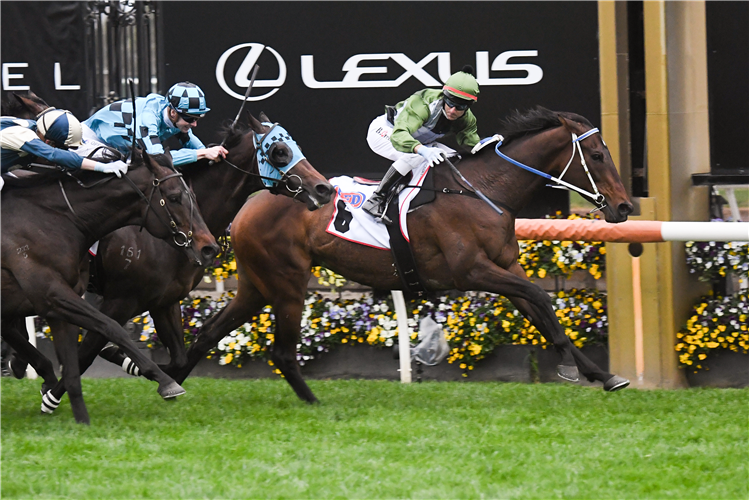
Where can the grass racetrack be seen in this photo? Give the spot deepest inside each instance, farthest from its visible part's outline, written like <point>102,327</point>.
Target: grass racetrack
<point>376,439</point>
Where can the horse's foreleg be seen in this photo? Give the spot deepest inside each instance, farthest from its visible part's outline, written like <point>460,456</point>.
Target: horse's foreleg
<point>73,309</point>
<point>588,368</point>
<point>240,309</point>
<point>284,352</point>
<point>65,338</point>
<point>489,277</point>
<point>15,335</point>
<point>90,347</point>
<point>168,324</point>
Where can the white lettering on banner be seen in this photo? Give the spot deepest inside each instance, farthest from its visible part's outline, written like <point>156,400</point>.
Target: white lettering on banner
<point>353,71</point>
<point>535,73</point>
<point>7,76</point>
<point>58,80</point>
<point>242,76</point>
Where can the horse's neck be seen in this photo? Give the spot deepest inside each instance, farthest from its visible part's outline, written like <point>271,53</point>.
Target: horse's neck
<point>96,211</point>
<point>221,191</point>
<point>510,184</point>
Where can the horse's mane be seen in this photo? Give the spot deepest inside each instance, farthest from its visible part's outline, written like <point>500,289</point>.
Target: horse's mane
<point>535,120</point>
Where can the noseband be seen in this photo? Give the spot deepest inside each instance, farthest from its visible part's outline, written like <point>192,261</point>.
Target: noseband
<point>596,197</point>
<point>180,238</point>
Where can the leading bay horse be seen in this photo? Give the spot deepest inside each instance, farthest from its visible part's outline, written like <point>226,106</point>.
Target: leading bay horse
<point>49,223</point>
<point>138,273</point>
<point>459,242</point>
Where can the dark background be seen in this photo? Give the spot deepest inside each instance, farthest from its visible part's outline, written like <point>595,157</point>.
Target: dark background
<point>728,85</point>
<point>40,34</point>
<point>331,124</point>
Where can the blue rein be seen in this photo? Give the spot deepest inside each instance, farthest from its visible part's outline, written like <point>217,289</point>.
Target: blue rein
<point>597,197</point>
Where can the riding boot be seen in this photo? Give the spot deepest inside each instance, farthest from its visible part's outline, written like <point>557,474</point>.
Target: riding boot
<point>375,204</point>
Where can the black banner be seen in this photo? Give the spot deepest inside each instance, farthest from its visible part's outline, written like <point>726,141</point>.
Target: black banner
<point>728,86</point>
<point>43,49</point>
<point>327,69</point>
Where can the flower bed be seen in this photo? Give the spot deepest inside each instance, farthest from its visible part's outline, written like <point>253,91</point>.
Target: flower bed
<point>474,325</point>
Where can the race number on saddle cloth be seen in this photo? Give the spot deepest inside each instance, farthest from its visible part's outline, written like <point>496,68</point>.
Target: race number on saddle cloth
<point>353,224</point>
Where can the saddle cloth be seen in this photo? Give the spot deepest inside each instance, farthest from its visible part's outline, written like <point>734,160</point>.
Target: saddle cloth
<point>353,224</point>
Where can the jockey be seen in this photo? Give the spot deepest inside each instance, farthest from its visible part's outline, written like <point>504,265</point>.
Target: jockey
<point>407,132</point>
<point>49,137</point>
<point>159,118</point>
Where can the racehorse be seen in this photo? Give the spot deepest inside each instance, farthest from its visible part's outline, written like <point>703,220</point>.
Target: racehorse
<point>458,242</point>
<point>26,106</point>
<point>49,223</point>
<point>140,273</point>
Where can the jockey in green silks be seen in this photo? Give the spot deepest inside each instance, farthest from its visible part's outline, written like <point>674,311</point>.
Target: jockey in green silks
<point>407,132</point>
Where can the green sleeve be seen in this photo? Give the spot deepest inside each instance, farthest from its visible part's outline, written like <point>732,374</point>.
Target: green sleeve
<point>413,115</point>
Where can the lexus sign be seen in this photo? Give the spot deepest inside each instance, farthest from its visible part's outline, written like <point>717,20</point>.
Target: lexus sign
<point>327,69</point>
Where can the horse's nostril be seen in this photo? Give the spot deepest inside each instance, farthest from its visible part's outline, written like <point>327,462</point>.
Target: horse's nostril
<point>208,252</point>
<point>324,189</point>
<point>625,208</point>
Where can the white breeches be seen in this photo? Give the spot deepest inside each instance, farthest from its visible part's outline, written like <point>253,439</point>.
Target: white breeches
<point>378,138</point>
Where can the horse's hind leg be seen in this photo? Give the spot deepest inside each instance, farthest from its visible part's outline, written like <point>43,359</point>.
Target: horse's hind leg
<point>66,347</point>
<point>247,303</point>
<point>14,334</point>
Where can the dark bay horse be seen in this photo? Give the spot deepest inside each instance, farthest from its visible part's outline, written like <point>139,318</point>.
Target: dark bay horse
<point>458,242</point>
<point>49,223</point>
<point>140,273</point>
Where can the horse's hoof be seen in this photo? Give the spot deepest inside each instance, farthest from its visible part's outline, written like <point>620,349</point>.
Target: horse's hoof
<point>49,403</point>
<point>615,383</point>
<point>171,390</point>
<point>568,373</point>
<point>18,369</point>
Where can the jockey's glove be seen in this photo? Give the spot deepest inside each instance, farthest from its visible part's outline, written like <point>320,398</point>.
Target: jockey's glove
<point>432,155</point>
<point>117,168</point>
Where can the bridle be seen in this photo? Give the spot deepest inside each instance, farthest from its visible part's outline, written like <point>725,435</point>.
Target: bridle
<point>276,175</point>
<point>180,238</point>
<point>596,197</point>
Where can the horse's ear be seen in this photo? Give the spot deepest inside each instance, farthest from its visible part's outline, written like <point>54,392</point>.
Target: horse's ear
<point>255,125</point>
<point>565,124</point>
<point>264,117</point>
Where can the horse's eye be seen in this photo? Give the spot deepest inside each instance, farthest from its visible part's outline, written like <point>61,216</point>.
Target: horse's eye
<point>597,157</point>
<point>175,198</point>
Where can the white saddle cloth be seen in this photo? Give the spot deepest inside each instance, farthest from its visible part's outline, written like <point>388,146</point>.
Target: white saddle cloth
<point>357,225</point>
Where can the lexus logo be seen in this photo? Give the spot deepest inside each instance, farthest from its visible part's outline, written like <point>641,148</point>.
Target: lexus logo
<point>353,71</point>
<point>242,76</point>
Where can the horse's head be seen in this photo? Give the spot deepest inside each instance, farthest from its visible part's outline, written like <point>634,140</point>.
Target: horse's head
<point>596,172</point>
<point>285,170</point>
<point>175,216</point>
<point>23,106</point>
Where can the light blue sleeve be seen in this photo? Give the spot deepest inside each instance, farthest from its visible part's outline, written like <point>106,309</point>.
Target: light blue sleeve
<point>188,153</point>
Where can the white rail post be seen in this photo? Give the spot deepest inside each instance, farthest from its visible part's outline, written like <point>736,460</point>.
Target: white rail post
<point>31,329</point>
<point>404,339</point>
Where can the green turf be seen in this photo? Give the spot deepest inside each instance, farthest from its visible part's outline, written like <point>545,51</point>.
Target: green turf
<point>376,439</point>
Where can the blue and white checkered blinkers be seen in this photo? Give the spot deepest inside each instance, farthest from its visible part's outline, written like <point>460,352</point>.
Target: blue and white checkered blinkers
<point>263,145</point>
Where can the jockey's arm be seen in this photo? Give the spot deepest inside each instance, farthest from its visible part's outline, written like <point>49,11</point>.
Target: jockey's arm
<point>409,120</point>
<point>193,150</point>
